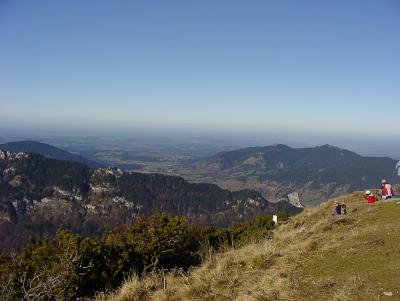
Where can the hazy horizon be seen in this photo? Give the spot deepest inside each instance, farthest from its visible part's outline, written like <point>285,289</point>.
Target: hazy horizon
<point>219,140</point>
<point>298,68</point>
<point>148,149</point>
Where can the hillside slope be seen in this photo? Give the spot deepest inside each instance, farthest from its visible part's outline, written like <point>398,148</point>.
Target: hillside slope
<point>38,194</point>
<point>316,173</point>
<point>312,257</point>
<point>48,151</point>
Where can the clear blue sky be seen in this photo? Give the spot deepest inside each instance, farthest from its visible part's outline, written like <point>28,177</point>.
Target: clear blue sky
<point>318,65</point>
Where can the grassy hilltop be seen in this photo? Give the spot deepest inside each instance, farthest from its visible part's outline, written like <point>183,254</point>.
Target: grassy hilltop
<point>313,256</point>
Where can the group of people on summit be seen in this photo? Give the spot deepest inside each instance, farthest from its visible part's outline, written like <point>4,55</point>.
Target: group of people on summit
<point>386,192</point>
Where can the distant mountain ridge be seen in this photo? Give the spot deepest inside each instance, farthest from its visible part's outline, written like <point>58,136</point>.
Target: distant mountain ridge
<point>38,194</point>
<point>316,173</point>
<point>48,151</point>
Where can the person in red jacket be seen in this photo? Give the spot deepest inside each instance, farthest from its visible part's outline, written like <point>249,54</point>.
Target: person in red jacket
<point>387,191</point>
<point>369,197</point>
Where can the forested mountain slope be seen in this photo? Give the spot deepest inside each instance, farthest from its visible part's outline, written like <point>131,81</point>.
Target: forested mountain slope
<point>38,194</point>
<point>316,173</point>
<point>47,151</point>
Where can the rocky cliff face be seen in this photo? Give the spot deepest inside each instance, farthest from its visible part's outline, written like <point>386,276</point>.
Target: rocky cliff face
<point>38,194</point>
<point>294,199</point>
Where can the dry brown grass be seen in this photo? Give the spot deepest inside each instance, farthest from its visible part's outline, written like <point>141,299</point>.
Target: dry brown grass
<point>312,257</point>
<point>135,289</point>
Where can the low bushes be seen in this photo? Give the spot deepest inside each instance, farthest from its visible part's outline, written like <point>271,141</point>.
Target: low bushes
<point>71,266</point>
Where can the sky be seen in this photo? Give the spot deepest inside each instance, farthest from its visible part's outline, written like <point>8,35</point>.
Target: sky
<point>318,66</point>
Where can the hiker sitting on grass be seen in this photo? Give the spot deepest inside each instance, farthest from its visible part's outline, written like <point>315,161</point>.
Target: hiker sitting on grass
<point>386,190</point>
<point>340,209</point>
<point>369,197</point>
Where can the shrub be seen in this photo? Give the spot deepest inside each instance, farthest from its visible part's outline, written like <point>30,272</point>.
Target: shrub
<point>72,266</point>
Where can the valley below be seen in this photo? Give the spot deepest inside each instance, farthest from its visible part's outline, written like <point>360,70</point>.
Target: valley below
<point>187,228</point>
<point>277,171</point>
<point>39,195</point>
